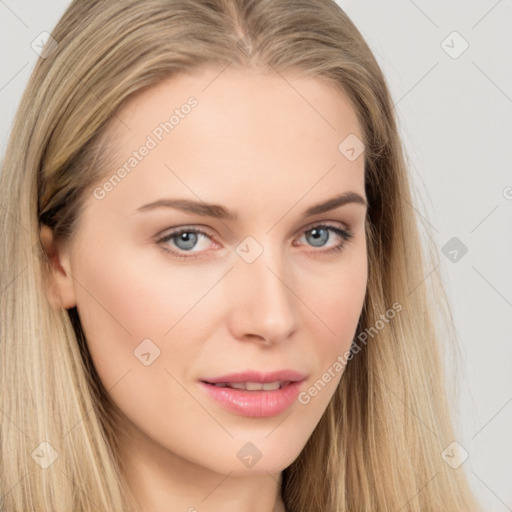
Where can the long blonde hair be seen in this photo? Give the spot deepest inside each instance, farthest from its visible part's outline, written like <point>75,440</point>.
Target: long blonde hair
<point>378,446</point>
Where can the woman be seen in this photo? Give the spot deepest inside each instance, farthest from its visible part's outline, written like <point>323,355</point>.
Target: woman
<point>214,293</point>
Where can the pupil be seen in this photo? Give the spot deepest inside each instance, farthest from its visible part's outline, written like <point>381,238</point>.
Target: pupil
<point>320,236</point>
<point>189,240</point>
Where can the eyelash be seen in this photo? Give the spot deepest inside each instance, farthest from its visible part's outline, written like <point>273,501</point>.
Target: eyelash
<point>344,235</point>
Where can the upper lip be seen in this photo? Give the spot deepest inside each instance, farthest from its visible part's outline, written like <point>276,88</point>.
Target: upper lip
<point>255,376</point>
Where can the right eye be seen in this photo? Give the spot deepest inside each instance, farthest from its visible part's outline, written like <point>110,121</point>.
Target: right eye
<point>183,241</point>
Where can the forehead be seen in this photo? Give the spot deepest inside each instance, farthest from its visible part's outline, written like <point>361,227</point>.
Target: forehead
<point>216,133</point>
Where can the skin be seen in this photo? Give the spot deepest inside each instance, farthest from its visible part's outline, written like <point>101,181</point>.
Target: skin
<point>266,148</point>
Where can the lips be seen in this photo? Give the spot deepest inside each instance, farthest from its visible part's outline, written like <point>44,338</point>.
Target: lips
<point>255,394</point>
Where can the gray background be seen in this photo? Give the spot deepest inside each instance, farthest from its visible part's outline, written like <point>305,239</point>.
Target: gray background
<point>455,115</point>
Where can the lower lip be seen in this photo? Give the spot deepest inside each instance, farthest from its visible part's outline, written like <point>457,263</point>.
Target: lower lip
<point>255,404</point>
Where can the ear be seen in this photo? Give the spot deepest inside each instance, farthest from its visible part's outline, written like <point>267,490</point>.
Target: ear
<point>59,283</point>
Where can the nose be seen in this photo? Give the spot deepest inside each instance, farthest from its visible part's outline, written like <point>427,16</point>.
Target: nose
<point>263,304</point>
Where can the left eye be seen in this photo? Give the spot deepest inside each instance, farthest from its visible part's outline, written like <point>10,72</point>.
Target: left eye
<point>186,239</point>
<point>322,233</point>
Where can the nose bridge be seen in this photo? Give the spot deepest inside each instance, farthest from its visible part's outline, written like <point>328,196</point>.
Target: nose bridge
<point>264,304</point>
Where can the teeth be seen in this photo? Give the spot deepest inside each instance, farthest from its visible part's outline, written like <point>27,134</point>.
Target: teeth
<point>237,385</point>
<point>253,386</point>
<point>271,386</point>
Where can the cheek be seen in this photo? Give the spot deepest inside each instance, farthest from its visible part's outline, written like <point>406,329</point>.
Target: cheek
<point>339,300</point>
<point>337,305</point>
<point>123,301</point>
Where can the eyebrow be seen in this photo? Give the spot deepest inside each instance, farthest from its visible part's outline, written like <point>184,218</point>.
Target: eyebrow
<point>218,211</point>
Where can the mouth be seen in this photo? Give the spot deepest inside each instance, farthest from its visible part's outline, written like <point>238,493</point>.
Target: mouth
<point>251,386</point>
<point>255,394</point>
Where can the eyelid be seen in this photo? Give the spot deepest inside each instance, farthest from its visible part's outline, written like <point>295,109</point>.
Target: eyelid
<point>323,222</point>
<point>164,233</point>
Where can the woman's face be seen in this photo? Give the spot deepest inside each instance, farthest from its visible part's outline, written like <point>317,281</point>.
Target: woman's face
<point>264,287</point>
